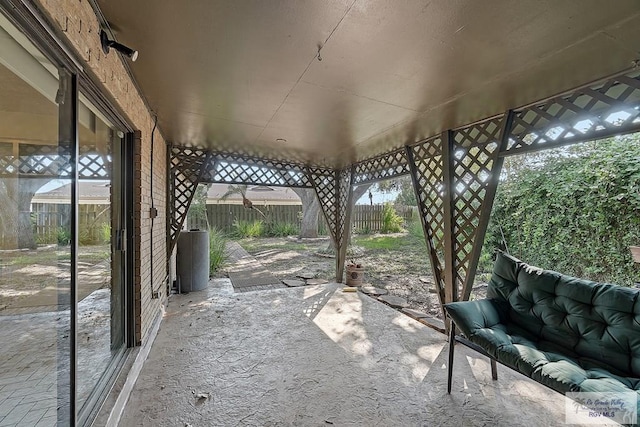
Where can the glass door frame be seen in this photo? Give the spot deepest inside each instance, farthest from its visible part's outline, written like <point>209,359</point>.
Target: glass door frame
<point>28,19</point>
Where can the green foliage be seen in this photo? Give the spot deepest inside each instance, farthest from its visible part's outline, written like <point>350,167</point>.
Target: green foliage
<point>197,214</point>
<point>577,211</point>
<point>391,221</point>
<point>63,236</point>
<point>366,229</point>
<point>95,234</point>
<point>49,237</point>
<point>381,242</point>
<point>105,232</point>
<point>281,229</point>
<point>217,243</point>
<point>244,228</point>
<point>415,229</point>
<point>240,189</point>
<point>403,185</point>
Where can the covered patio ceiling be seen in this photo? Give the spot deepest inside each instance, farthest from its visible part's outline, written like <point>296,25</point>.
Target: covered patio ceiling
<point>332,82</point>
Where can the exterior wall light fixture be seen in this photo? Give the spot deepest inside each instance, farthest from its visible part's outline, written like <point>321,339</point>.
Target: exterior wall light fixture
<point>107,44</point>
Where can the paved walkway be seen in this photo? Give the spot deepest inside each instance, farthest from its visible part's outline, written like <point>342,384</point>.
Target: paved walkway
<point>317,356</point>
<point>34,360</point>
<point>246,273</point>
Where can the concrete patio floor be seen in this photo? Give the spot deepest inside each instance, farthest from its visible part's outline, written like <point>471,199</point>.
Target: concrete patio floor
<point>317,356</point>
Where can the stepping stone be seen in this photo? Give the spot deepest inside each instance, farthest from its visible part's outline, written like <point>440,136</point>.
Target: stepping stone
<point>305,275</point>
<point>317,281</point>
<point>293,283</point>
<point>373,291</point>
<point>434,323</point>
<point>393,301</point>
<point>414,313</point>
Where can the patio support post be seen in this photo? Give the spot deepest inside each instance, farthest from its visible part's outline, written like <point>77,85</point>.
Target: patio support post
<point>450,273</point>
<point>487,204</point>
<point>334,189</point>
<point>343,226</point>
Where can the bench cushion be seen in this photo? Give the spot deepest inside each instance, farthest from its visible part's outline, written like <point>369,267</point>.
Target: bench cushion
<point>595,321</point>
<point>547,364</point>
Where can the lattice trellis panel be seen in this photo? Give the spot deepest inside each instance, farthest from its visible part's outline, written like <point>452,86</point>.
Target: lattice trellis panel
<point>234,169</point>
<point>334,191</point>
<point>187,166</point>
<point>47,161</point>
<point>475,150</point>
<point>599,111</point>
<point>42,161</point>
<point>427,172</point>
<point>388,165</point>
<point>93,164</point>
<point>8,163</point>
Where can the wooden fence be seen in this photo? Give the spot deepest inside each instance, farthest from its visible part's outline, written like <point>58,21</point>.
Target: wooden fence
<point>364,217</point>
<point>93,220</point>
<point>50,218</point>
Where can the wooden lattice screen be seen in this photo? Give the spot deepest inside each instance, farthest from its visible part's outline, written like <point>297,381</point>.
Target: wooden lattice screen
<point>455,174</point>
<point>187,165</point>
<point>50,161</point>
<point>334,189</point>
<point>386,166</point>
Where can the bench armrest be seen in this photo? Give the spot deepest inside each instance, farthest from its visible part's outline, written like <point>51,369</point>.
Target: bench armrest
<point>470,316</point>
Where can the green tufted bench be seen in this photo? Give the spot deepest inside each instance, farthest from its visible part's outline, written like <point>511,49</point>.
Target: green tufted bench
<point>569,334</point>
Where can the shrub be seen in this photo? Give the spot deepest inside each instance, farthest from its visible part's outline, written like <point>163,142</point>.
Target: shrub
<point>217,243</point>
<point>63,236</point>
<point>282,229</point>
<point>575,211</point>
<point>244,228</point>
<point>391,221</point>
<point>364,231</point>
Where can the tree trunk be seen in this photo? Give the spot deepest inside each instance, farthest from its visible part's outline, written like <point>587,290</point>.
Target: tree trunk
<point>311,208</point>
<point>15,211</point>
<point>310,211</point>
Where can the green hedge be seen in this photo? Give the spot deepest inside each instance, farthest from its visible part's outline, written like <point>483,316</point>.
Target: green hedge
<point>574,210</point>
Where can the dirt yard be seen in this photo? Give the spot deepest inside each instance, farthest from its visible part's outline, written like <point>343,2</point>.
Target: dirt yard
<point>396,262</point>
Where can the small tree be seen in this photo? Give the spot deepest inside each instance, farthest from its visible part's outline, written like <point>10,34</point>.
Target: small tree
<point>241,189</point>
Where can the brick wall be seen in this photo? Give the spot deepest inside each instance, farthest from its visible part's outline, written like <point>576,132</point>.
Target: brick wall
<point>80,30</point>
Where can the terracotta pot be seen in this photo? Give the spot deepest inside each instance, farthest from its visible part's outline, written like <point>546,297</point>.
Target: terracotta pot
<point>355,275</point>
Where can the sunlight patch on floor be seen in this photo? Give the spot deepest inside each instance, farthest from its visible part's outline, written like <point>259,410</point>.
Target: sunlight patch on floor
<point>345,320</point>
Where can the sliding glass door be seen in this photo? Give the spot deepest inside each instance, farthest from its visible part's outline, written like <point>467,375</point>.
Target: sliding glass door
<point>101,253</point>
<point>63,263</point>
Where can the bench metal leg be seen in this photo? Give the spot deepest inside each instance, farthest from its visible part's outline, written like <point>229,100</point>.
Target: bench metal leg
<point>452,344</point>
<point>494,370</point>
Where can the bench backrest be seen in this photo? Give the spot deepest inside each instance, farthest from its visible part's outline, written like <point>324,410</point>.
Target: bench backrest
<point>592,320</point>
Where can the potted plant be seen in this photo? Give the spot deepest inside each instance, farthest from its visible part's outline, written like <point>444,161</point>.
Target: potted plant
<point>355,273</point>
